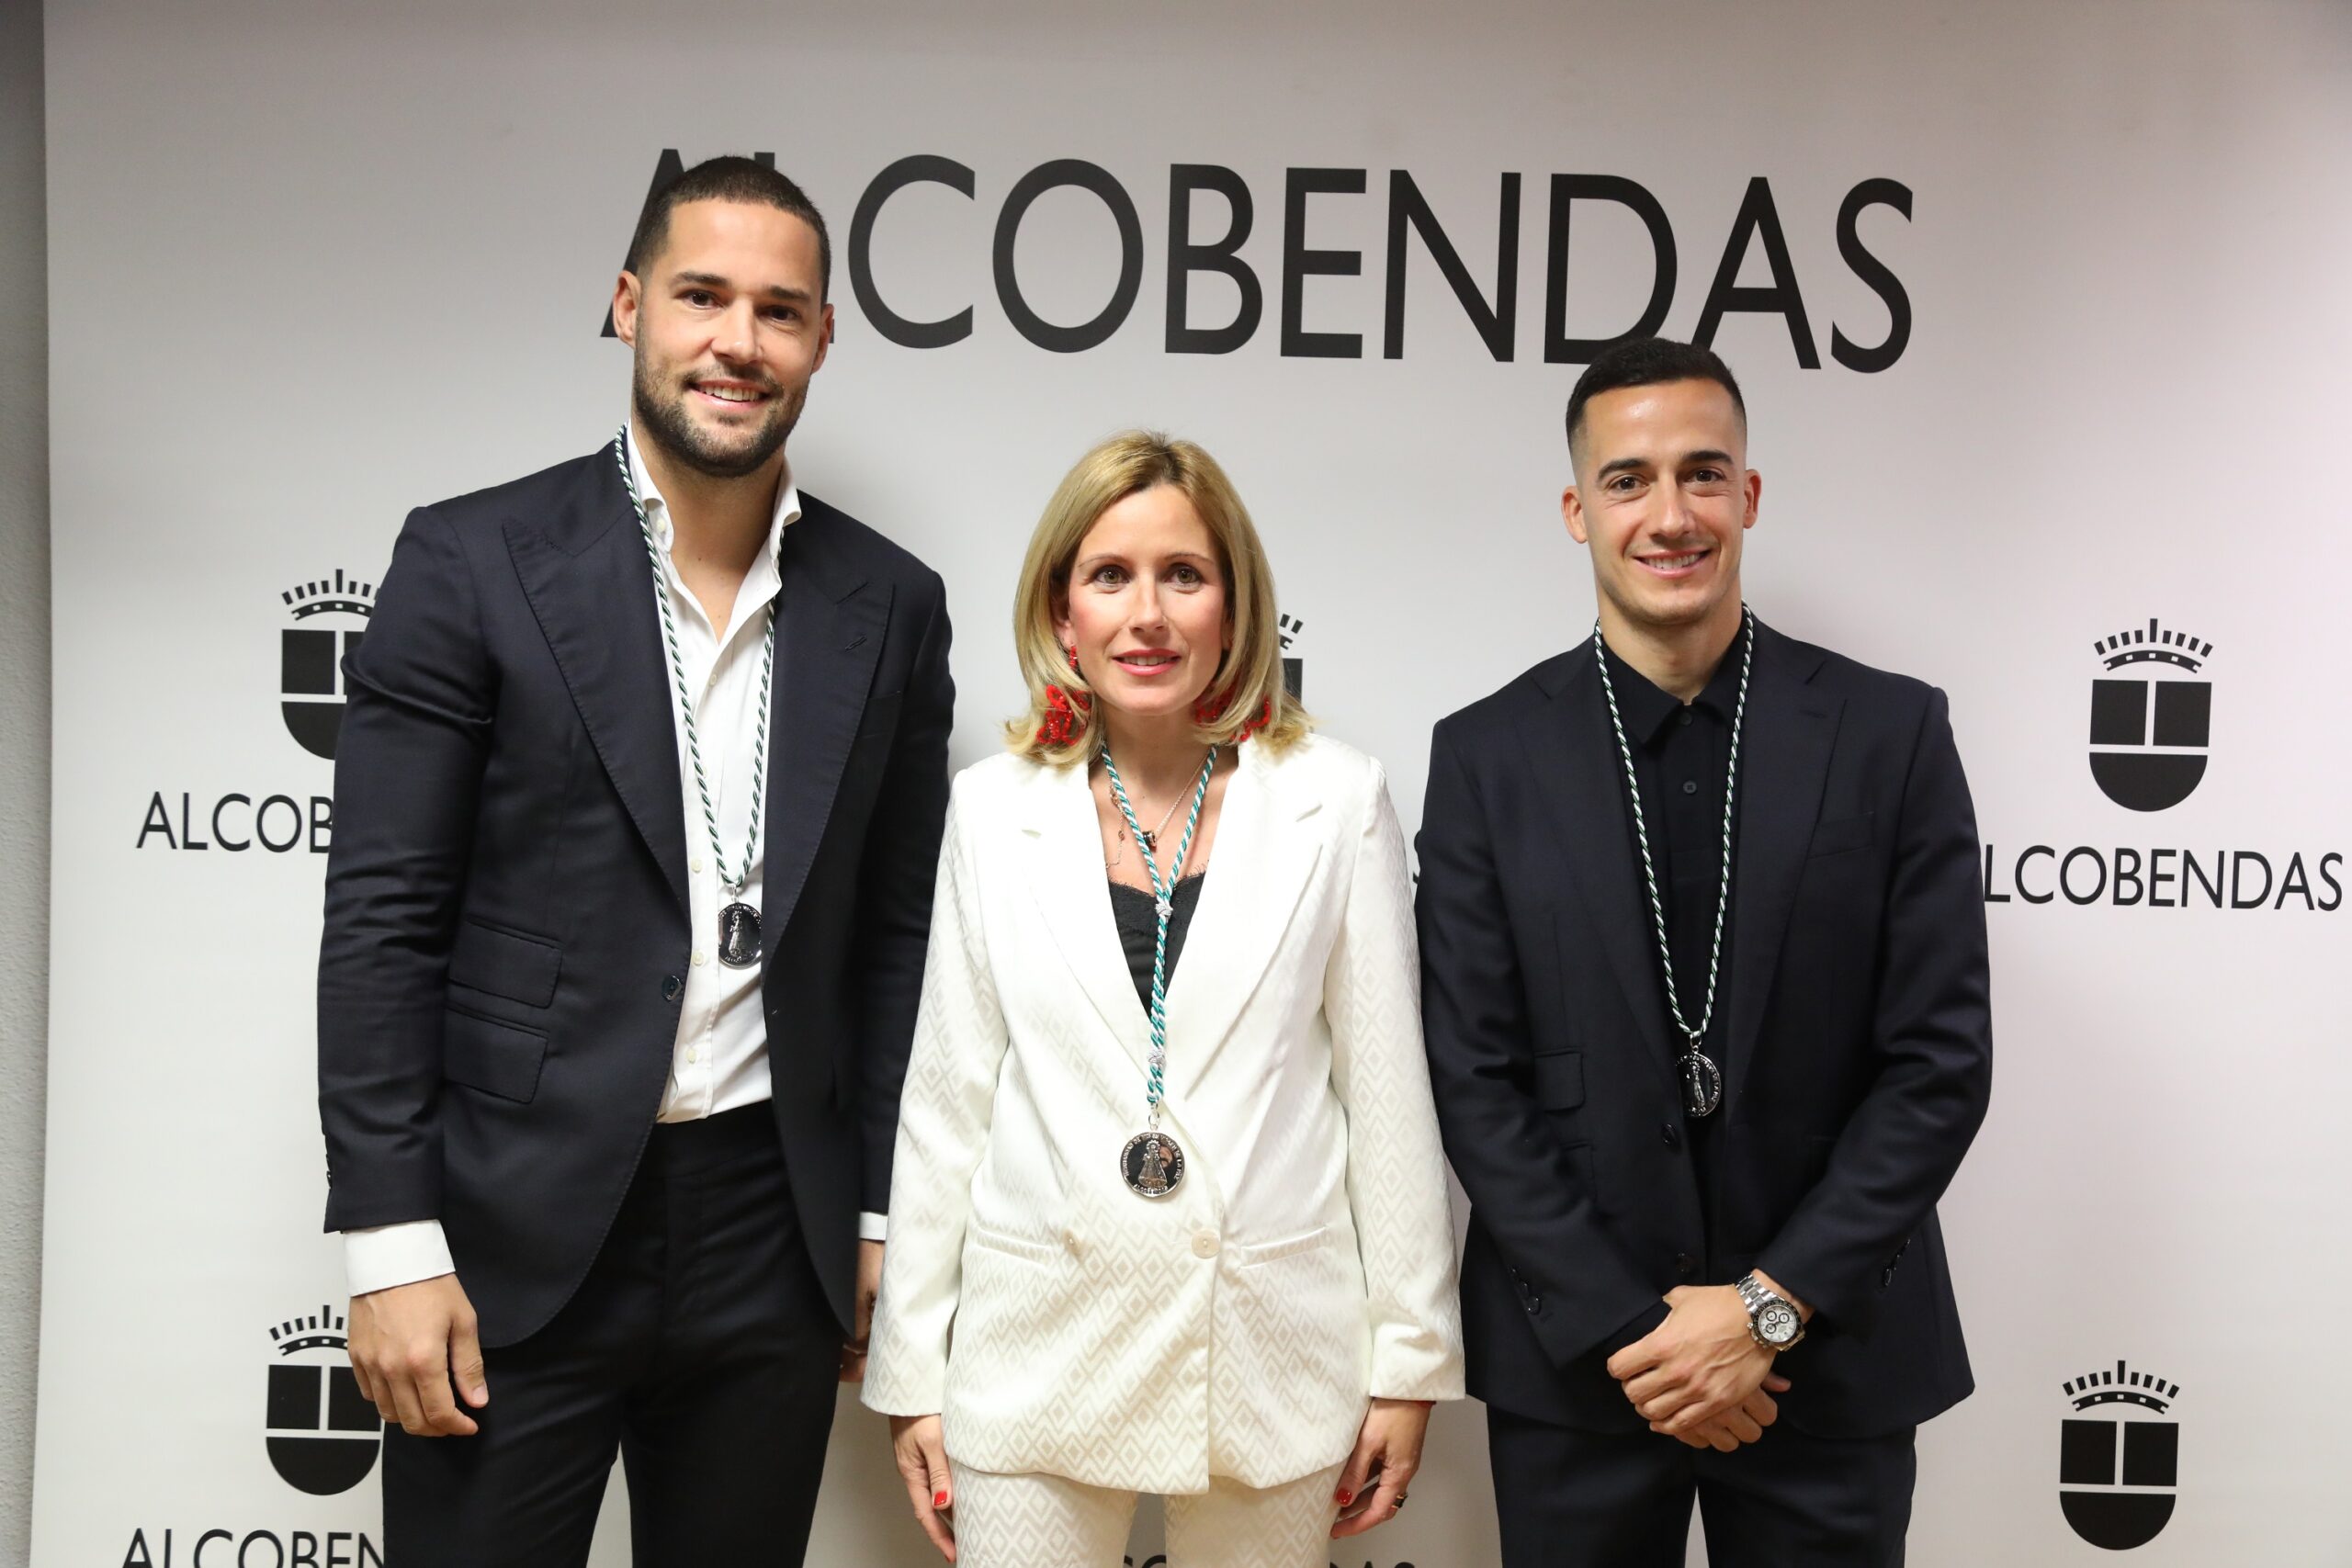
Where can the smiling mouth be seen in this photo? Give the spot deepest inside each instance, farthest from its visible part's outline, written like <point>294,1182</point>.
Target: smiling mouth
<point>1669,566</point>
<point>1144,663</point>
<point>738,397</point>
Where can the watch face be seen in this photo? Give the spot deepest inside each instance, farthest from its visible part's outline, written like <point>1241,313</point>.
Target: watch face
<point>1778,1323</point>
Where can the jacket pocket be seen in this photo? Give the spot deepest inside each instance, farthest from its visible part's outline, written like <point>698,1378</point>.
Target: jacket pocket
<point>1036,1249</point>
<point>496,1058</point>
<point>1845,833</point>
<point>505,964</point>
<point>1559,1080</point>
<point>1250,1254</point>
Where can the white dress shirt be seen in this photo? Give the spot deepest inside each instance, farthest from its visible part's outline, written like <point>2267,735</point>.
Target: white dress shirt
<point>720,1060</point>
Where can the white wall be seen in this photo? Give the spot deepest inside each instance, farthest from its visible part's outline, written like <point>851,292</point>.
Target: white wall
<point>355,259</point>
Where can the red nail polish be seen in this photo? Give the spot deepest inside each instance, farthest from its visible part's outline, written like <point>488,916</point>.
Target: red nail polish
<point>1345,1498</point>
<point>939,1499</point>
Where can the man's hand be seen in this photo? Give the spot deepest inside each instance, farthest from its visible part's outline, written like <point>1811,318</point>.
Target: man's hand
<point>406,1343</point>
<point>1389,1450</point>
<point>1691,1376</point>
<point>1743,1425</point>
<point>869,1284</point>
<point>916,1443</point>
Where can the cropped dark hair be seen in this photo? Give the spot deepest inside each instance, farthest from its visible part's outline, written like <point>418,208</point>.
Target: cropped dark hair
<point>728,178</point>
<point>1648,362</point>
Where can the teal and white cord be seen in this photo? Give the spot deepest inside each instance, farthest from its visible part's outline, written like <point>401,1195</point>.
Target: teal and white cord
<point>686,702</point>
<point>1163,898</point>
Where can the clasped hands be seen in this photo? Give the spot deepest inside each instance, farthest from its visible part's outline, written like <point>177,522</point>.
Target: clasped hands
<point>1699,1377</point>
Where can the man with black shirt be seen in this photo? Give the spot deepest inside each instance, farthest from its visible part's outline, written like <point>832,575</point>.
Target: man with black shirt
<point>1704,981</point>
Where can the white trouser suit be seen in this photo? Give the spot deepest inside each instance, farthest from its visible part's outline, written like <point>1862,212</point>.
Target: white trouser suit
<point>1223,1340</point>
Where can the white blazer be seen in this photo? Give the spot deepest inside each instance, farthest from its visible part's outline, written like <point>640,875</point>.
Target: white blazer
<point>1059,1322</point>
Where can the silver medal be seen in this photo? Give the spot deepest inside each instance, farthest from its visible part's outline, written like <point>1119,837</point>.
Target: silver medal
<point>739,936</point>
<point>1151,1163</point>
<point>1702,1084</point>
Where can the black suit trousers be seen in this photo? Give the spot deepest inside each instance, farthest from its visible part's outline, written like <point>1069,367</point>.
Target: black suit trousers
<point>700,1349</point>
<point>1568,1498</point>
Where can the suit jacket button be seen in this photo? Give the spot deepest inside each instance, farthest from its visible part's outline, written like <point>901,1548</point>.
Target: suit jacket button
<point>672,988</point>
<point>1685,1264</point>
<point>1204,1244</point>
<point>1670,1135</point>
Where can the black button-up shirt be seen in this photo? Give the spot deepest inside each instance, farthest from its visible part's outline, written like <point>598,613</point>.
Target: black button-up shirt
<point>1681,755</point>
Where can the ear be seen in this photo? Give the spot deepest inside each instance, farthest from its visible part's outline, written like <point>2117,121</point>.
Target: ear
<point>1063,633</point>
<point>1572,513</point>
<point>1754,485</point>
<point>824,339</point>
<point>626,298</point>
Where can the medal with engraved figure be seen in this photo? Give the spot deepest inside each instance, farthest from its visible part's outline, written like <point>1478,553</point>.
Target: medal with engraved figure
<point>1151,1163</point>
<point>1702,1081</point>
<point>738,921</point>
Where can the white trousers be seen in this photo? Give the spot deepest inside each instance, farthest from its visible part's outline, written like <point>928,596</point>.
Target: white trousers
<point>1047,1521</point>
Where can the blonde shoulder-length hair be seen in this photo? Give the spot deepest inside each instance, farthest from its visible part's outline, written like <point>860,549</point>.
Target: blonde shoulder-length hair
<point>1247,682</point>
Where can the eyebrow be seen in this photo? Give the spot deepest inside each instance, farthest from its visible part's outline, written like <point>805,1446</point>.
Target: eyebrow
<point>713,280</point>
<point>1100,556</point>
<point>1634,465</point>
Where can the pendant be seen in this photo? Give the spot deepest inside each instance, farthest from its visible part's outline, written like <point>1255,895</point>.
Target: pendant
<point>1149,839</point>
<point>1702,1084</point>
<point>739,936</point>
<point>1151,1163</point>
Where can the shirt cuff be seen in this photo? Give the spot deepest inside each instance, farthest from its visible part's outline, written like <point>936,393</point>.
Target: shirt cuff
<point>380,1257</point>
<point>872,1227</point>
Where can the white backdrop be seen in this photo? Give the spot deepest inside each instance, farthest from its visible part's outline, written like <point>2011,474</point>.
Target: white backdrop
<point>312,266</point>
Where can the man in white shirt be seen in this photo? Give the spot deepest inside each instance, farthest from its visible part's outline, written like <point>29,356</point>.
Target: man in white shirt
<point>638,801</point>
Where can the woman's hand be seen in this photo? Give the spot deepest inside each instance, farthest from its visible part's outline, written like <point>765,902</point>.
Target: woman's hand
<point>1389,1450</point>
<point>921,1454</point>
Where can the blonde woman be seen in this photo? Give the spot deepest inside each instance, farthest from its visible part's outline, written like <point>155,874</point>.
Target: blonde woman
<point>1168,1211</point>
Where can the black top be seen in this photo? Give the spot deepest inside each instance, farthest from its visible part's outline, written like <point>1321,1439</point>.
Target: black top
<point>1138,920</point>
<point>1681,755</point>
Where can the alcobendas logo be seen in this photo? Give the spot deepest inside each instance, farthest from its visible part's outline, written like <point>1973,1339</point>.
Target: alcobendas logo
<point>2117,1470</point>
<point>321,1438</point>
<point>2151,746</point>
<point>322,1432</point>
<point>2149,736</point>
<point>329,617</point>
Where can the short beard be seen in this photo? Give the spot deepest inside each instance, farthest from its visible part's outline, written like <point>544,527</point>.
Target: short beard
<point>662,413</point>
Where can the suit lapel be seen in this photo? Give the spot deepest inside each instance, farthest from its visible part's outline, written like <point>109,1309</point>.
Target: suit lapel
<point>830,621</point>
<point>1073,896</point>
<point>1570,744</point>
<point>591,586</point>
<point>1261,863</point>
<point>1790,732</point>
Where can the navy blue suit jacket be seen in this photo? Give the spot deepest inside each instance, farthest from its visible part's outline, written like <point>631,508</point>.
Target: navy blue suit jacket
<point>506,907</point>
<point>1860,1039</point>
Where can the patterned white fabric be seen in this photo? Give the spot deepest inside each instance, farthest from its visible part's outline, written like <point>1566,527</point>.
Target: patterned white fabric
<point>1058,1321</point>
<point>1046,1521</point>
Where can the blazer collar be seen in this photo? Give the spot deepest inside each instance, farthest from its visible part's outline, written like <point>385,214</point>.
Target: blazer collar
<point>1260,863</point>
<point>1784,764</point>
<point>583,567</point>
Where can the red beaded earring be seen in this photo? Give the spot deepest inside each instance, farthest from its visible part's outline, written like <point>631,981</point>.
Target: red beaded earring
<point>1208,710</point>
<point>1062,709</point>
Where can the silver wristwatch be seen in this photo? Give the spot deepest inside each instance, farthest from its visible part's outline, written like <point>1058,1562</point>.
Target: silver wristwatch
<point>1772,1319</point>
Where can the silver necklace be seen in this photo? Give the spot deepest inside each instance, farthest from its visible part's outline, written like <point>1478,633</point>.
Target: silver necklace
<point>739,922</point>
<point>1152,1163</point>
<point>1702,1081</point>
<point>1149,840</point>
